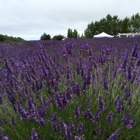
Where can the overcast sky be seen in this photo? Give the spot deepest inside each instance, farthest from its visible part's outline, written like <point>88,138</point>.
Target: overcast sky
<point>29,19</point>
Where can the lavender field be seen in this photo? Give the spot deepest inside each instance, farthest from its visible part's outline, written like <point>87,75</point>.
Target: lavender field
<point>76,89</point>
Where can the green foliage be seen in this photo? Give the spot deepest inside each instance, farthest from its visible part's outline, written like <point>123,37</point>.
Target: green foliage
<point>74,33</point>
<point>9,38</point>
<point>124,25</point>
<point>135,23</point>
<point>113,25</point>
<point>69,34</point>
<point>58,37</point>
<point>45,37</point>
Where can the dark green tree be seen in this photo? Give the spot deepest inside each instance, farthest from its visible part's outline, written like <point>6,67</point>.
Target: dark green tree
<point>45,37</point>
<point>104,25</point>
<point>2,37</point>
<point>75,33</point>
<point>69,34</point>
<point>124,25</point>
<point>58,37</point>
<point>10,38</point>
<point>82,36</point>
<point>115,25</point>
<point>88,33</point>
<point>135,23</point>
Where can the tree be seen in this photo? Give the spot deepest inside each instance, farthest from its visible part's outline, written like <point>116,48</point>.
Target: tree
<point>135,23</point>
<point>58,37</point>
<point>124,25</point>
<point>2,37</point>
<point>82,36</point>
<point>69,34</point>
<point>115,25</point>
<point>45,37</point>
<point>89,31</point>
<point>75,33</point>
<point>9,38</point>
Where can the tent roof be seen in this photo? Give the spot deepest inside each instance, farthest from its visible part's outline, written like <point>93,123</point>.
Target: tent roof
<point>103,34</point>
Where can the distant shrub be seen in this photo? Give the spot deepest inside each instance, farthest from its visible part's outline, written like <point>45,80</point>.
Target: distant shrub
<point>10,38</point>
<point>45,37</point>
<point>58,37</point>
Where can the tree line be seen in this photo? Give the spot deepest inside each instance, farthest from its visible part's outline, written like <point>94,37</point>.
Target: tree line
<point>110,24</point>
<point>113,25</point>
<point>9,38</point>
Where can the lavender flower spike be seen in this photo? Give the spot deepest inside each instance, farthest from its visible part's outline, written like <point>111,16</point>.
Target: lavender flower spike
<point>5,138</point>
<point>114,135</point>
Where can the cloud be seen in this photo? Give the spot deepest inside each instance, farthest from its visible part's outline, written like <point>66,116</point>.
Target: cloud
<point>30,19</point>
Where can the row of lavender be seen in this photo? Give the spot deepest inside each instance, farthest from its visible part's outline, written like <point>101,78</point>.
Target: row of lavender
<point>73,93</point>
<point>16,50</point>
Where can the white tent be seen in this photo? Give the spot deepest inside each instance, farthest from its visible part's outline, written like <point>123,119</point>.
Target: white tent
<point>103,34</point>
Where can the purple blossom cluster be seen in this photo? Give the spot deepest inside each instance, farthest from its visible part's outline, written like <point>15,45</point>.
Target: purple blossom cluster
<point>68,88</point>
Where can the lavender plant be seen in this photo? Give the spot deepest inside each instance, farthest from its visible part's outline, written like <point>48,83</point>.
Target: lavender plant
<point>71,92</point>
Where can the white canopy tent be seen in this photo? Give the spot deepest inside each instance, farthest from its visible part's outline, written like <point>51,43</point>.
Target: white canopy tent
<point>103,34</point>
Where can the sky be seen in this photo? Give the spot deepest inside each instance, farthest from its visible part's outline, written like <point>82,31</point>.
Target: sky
<point>29,19</point>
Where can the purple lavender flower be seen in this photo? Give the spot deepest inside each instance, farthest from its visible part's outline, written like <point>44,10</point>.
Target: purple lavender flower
<point>132,78</point>
<point>127,122</point>
<point>80,127</point>
<point>88,101</point>
<point>22,112</point>
<point>54,127</point>
<point>129,102</point>
<point>1,101</point>
<point>84,86</point>
<point>128,73</point>
<point>78,112</point>
<point>88,114</point>
<point>115,72</point>
<point>88,78</point>
<point>69,135</point>
<point>119,107</point>
<point>61,101</point>
<point>5,138</point>
<point>99,131</point>
<point>96,115</point>
<point>109,117</point>
<point>95,64</point>
<point>131,124</point>
<point>69,93</point>
<point>34,135</point>
<point>13,121</point>
<point>71,124</point>
<point>54,117</point>
<point>42,122</point>
<point>79,138</point>
<point>41,111</point>
<point>114,135</point>
<point>124,64</point>
<point>76,89</point>
<point>137,64</point>
<point>68,74</point>
<point>134,51</point>
<point>31,106</point>
<point>101,104</point>
<point>106,86</point>
<point>127,95</point>
<point>117,100</point>
<point>63,128</point>
<point>123,86</point>
<point>56,86</point>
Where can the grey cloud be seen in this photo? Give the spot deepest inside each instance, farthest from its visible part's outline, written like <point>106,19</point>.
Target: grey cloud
<point>30,19</point>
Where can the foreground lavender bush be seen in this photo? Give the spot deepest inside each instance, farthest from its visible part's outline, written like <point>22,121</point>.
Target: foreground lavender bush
<point>74,93</point>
